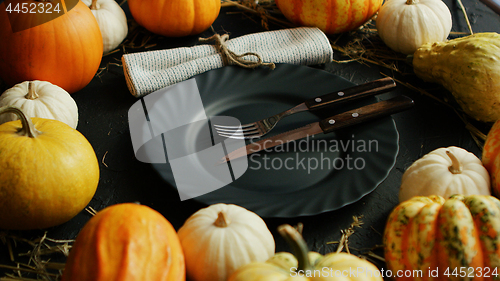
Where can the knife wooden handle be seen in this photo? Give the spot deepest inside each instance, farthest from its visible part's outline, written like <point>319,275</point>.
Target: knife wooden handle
<point>493,4</point>
<point>339,97</point>
<point>366,113</point>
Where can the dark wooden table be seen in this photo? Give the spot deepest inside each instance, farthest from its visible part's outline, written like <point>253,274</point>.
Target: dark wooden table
<point>104,103</point>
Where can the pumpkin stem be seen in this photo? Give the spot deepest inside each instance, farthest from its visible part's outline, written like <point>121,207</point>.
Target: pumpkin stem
<point>93,6</point>
<point>222,220</point>
<point>456,167</point>
<point>299,247</point>
<point>27,129</point>
<point>411,2</point>
<point>31,95</point>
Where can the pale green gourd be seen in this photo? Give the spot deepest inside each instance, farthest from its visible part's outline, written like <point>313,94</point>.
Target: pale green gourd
<point>304,265</point>
<point>469,67</point>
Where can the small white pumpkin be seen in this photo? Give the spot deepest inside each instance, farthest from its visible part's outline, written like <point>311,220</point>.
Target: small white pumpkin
<point>40,99</point>
<point>445,172</point>
<point>405,25</point>
<point>220,238</point>
<point>112,22</point>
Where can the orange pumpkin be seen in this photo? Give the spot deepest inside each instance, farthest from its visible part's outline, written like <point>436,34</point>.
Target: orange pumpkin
<point>65,51</point>
<point>491,157</point>
<point>446,239</point>
<point>126,242</point>
<point>331,16</point>
<point>175,18</point>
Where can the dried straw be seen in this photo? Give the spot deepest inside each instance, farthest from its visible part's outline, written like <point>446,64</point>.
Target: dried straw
<point>346,233</point>
<point>91,210</point>
<point>465,16</point>
<point>33,265</point>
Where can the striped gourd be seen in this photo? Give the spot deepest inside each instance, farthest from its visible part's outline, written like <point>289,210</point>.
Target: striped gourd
<point>331,16</point>
<point>447,239</point>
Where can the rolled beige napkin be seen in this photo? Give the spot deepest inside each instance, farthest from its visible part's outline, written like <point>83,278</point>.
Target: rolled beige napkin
<point>146,72</point>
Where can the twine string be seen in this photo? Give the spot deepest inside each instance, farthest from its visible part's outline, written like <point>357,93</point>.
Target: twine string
<point>231,58</point>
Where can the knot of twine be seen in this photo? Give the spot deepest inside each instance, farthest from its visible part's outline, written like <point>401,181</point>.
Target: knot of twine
<point>230,58</point>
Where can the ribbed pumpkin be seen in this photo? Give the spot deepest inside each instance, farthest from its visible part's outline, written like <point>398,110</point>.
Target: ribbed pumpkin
<point>220,238</point>
<point>65,51</point>
<point>40,99</point>
<point>175,18</point>
<point>405,25</point>
<point>126,242</point>
<point>491,157</point>
<point>445,171</point>
<point>48,172</point>
<point>331,16</point>
<point>112,22</point>
<point>433,236</point>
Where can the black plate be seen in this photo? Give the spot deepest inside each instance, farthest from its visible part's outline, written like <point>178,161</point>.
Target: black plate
<point>322,174</point>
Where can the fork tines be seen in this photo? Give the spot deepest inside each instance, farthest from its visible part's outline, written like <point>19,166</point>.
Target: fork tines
<point>238,132</point>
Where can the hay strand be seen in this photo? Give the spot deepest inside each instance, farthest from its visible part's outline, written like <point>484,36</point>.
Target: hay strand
<point>465,16</point>
<point>32,263</point>
<point>346,233</point>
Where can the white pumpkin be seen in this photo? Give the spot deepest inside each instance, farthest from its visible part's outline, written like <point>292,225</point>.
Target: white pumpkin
<point>221,238</point>
<point>112,22</point>
<point>445,172</point>
<point>40,99</point>
<point>405,25</point>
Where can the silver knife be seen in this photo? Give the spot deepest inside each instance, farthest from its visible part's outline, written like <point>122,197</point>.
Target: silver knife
<point>342,120</point>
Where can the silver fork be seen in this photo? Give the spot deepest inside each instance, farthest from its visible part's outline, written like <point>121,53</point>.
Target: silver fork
<point>259,128</point>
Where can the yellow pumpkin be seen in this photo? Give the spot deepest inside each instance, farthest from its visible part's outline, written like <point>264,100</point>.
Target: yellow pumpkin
<point>331,16</point>
<point>307,265</point>
<point>126,242</point>
<point>48,172</point>
<point>444,238</point>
